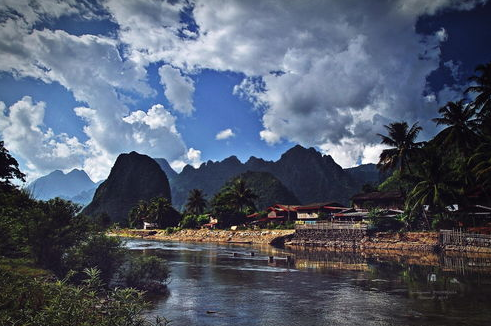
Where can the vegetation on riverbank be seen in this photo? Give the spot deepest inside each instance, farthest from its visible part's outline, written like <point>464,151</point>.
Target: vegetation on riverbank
<point>453,168</point>
<point>57,266</point>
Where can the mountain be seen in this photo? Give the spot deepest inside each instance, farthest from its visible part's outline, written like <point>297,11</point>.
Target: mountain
<point>133,177</point>
<point>59,184</point>
<point>210,177</point>
<point>367,173</point>
<point>309,175</point>
<point>165,166</point>
<point>268,188</point>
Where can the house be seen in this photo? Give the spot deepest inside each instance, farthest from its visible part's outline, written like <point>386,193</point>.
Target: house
<point>279,212</point>
<point>316,210</point>
<point>149,226</point>
<point>379,199</point>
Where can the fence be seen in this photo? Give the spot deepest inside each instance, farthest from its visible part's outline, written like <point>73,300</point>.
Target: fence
<point>331,226</point>
<point>460,238</point>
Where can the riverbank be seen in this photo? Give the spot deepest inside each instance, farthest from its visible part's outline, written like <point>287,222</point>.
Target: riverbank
<point>205,235</point>
<point>407,242</point>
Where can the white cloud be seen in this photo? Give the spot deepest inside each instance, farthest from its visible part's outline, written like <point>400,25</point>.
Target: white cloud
<point>193,158</point>
<point>22,128</point>
<point>179,89</point>
<point>225,134</point>
<point>322,73</point>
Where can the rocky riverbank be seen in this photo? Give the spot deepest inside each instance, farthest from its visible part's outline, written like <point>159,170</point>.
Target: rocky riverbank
<point>360,240</point>
<point>205,235</point>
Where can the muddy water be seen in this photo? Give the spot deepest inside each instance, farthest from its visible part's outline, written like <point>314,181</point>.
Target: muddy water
<point>215,284</point>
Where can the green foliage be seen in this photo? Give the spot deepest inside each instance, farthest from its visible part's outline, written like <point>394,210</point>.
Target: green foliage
<point>158,210</point>
<point>403,146</point>
<point>53,229</point>
<point>96,251</point>
<point>37,302</point>
<point>196,203</point>
<point>146,273</point>
<point>231,205</point>
<point>194,221</point>
<point>9,169</point>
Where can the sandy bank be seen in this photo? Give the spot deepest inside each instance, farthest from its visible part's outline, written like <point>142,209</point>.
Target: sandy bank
<point>204,235</point>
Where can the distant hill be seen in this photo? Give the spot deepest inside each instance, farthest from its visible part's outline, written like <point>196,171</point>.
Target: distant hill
<point>75,185</point>
<point>309,175</point>
<point>165,166</point>
<point>132,178</point>
<point>268,188</point>
<point>366,173</point>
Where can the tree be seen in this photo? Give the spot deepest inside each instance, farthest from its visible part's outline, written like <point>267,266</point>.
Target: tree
<point>403,145</point>
<point>196,202</point>
<point>240,196</point>
<point>459,117</point>
<point>160,211</point>
<point>481,163</point>
<point>435,186</point>
<point>9,169</point>
<point>138,214</point>
<point>483,88</point>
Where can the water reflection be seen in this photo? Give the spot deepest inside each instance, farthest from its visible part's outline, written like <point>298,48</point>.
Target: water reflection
<point>227,285</point>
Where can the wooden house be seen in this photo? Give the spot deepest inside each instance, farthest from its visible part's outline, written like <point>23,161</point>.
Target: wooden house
<point>313,211</point>
<point>281,212</point>
<point>379,199</point>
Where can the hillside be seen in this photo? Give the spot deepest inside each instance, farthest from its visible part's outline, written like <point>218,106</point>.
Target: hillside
<point>133,177</point>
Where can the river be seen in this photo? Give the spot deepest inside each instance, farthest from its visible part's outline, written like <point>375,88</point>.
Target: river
<point>224,284</point>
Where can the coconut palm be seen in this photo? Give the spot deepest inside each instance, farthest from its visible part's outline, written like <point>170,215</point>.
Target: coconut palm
<point>483,88</point>
<point>435,186</point>
<point>239,196</point>
<point>138,214</point>
<point>403,145</point>
<point>481,163</point>
<point>160,211</point>
<point>196,202</point>
<point>459,117</point>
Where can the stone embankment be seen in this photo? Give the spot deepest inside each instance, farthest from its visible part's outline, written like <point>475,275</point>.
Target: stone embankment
<point>360,240</point>
<point>205,235</point>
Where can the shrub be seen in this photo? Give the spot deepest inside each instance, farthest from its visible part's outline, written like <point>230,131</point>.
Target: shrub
<point>148,273</point>
<point>31,301</point>
<point>99,251</point>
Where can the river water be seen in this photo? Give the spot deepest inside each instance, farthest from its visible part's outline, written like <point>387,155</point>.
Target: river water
<point>217,284</point>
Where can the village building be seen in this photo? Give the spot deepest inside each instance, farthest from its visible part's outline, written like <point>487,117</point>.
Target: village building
<point>323,210</point>
<point>282,212</point>
<point>379,199</point>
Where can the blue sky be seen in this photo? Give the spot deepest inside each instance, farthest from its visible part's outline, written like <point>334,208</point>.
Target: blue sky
<point>191,81</point>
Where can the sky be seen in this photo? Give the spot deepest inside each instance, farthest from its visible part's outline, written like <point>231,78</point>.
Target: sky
<point>82,81</point>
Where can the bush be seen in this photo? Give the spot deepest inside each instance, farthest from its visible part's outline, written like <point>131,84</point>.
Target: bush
<point>37,302</point>
<point>97,251</point>
<point>149,273</point>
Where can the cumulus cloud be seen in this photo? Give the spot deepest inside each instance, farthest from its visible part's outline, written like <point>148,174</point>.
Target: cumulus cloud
<point>225,134</point>
<point>193,158</point>
<point>330,73</point>
<point>22,128</point>
<point>179,89</point>
<point>321,73</point>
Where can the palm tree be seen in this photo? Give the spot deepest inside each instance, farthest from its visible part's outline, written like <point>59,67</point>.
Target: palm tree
<point>483,88</point>
<point>160,211</point>
<point>403,146</point>
<point>459,117</point>
<point>139,214</point>
<point>241,197</point>
<point>196,202</point>
<point>435,186</point>
<point>481,163</point>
